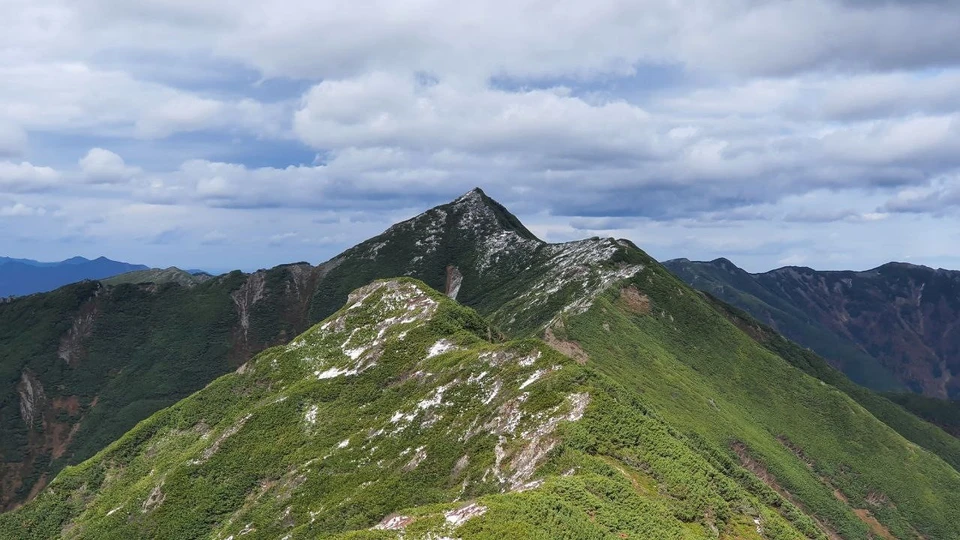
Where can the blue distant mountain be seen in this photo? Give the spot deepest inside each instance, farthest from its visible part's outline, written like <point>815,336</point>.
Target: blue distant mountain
<point>20,277</point>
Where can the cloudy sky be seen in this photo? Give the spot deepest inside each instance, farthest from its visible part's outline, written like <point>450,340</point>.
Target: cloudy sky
<point>245,133</point>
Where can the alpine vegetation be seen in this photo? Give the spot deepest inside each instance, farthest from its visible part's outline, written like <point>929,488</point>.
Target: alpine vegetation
<point>574,390</point>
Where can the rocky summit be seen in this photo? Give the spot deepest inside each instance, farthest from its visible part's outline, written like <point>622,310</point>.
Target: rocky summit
<point>454,377</point>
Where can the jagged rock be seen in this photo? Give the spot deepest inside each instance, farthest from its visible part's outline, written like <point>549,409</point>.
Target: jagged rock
<point>32,397</point>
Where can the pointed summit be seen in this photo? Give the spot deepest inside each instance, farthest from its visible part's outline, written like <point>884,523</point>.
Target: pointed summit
<point>480,211</point>
<point>476,251</point>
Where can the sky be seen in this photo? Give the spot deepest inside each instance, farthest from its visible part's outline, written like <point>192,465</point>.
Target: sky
<point>245,134</point>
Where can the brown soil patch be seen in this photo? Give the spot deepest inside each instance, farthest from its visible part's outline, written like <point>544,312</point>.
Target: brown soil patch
<point>60,436</point>
<point>567,348</point>
<point>876,527</point>
<point>758,469</point>
<point>764,475</point>
<point>70,404</point>
<point>873,498</point>
<point>35,490</point>
<point>634,300</point>
<point>454,280</point>
<point>797,451</point>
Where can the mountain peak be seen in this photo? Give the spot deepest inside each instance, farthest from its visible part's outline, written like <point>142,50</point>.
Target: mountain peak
<point>475,193</point>
<point>472,246</point>
<point>478,210</point>
<point>727,265</point>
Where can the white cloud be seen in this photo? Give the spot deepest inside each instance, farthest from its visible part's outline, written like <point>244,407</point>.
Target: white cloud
<point>213,237</point>
<point>940,196</point>
<point>78,97</point>
<point>624,116</point>
<point>26,177</point>
<point>338,39</point>
<point>104,166</point>
<point>21,210</point>
<point>381,110</point>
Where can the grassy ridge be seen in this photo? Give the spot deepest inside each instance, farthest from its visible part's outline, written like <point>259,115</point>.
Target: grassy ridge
<point>735,286</point>
<point>277,450</point>
<point>707,378</point>
<point>892,409</point>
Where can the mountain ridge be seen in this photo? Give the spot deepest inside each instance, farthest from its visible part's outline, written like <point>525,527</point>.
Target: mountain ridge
<point>512,403</point>
<point>740,431</point>
<point>97,342</point>
<point>892,319</point>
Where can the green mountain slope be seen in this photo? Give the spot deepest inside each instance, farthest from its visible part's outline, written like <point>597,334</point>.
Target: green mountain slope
<point>892,408</point>
<point>711,380</point>
<point>891,328</point>
<point>83,364</point>
<point>940,412</point>
<point>158,276</point>
<point>695,426</point>
<point>726,281</point>
<point>396,416</point>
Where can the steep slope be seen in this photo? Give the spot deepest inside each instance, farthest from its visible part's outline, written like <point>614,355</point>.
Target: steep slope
<point>808,439</point>
<point>396,418</point>
<point>106,357</point>
<point>83,364</point>
<point>940,412</point>
<point>901,411</point>
<point>897,319</point>
<point>726,403</point>
<point>19,277</point>
<point>158,276</point>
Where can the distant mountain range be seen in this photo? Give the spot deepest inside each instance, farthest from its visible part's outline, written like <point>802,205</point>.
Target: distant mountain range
<point>893,327</point>
<point>19,277</point>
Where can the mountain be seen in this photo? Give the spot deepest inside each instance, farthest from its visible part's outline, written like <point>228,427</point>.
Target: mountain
<point>20,277</point>
<point>83,364</point>
<point>396,417</point>
<point>894,327</point>
<point>159,276</point>
<point>586,392</point>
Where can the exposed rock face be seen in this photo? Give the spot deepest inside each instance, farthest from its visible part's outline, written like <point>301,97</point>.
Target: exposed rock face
<point>454,280</point>
<point>897,319</point>
<point>246,297</point>
<point>32,398</point>
<point>71,344</point>
<point>472,248</point>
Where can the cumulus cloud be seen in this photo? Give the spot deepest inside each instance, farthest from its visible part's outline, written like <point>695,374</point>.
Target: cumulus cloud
<point>523,37</point>
<point>104,166</point>
<point>78,96</point>
<point>941,196</point>
<point>381,110</point>
<point>26,177</point>
<point>698,119</point>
